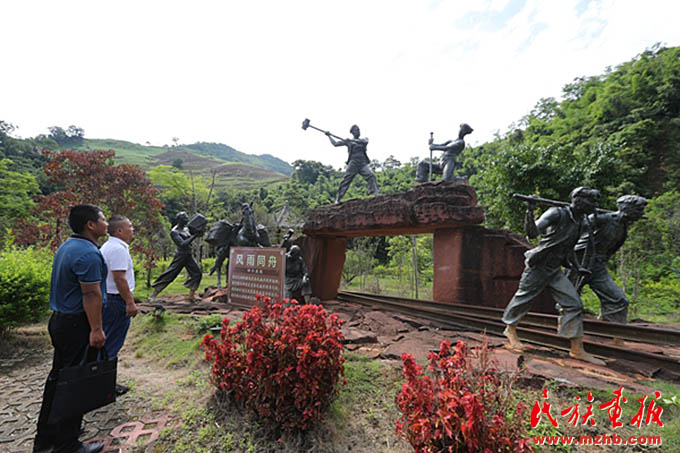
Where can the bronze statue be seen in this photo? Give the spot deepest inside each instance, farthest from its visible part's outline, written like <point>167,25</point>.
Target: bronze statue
<point>286,241</point>
<point>297,284</point>
<point>609,232</point>
<point>560,229</point>
<point>357,162</point>
<point>451,151</point>
<point>183,258</point>
<point>223,235</point>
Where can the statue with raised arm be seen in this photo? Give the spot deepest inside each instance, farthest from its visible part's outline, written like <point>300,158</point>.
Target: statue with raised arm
<point>609,232</point>
<point>297,284</point>
<point>183,258</point>
<point>357,162</point>
<point>560,229</point>
<point>451,148</point>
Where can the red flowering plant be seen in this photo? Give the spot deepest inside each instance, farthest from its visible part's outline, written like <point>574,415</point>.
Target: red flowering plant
<point>459,407</point>
<point>283,361</point>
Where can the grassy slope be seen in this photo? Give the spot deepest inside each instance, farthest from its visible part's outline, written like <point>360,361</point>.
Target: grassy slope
<point>235,169</point>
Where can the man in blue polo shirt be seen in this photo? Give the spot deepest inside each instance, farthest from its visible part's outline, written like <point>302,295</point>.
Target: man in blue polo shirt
<point>77,292</point>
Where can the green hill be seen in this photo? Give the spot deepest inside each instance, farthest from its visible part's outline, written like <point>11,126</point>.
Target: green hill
<point>234,168</point>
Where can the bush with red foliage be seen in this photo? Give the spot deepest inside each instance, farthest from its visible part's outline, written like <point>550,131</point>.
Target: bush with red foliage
<point>460,408</point>
<point>93,177</point>
<point>281,362</point>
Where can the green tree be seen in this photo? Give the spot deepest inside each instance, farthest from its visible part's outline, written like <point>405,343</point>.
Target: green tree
<point>93,177</point>
<point>23,154</point>
<point>16,195</point>
<point>618,132</point>
<point>71,137</point>
<point>187,192</point>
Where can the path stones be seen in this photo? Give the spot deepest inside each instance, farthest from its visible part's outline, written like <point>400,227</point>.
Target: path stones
<point>121,425</point>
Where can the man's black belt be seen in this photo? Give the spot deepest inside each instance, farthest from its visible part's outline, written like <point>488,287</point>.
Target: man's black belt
<point>57,314</point>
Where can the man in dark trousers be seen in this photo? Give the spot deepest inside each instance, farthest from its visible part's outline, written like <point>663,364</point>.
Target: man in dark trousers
<point>609,232</point>
<point>560,229</point>
<point>183,258</point>
<point>120,283</point>
<point>77,291</point>
<point>357,162</point>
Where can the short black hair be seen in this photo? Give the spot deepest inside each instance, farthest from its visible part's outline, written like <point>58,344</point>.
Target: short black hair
<point>79,215</point>
<point>116,221</point>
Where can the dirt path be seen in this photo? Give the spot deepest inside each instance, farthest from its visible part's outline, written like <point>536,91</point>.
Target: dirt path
<point>129,422</point>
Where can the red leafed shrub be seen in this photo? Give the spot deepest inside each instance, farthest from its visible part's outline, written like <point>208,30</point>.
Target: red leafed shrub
<point>282,363</point>
<point>460,408</point>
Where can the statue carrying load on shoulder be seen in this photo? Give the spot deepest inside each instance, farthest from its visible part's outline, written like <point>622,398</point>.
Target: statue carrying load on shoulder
<point>560,228</point>
<point>451,148</point>
<point>609,232</point>
<point>183,235</point>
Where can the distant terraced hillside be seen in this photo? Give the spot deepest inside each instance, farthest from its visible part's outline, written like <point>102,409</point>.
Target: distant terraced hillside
<point>234,168</point>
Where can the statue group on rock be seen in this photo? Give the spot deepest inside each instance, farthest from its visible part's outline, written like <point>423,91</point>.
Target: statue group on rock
<point>358,161</point>
<point>575,236</point>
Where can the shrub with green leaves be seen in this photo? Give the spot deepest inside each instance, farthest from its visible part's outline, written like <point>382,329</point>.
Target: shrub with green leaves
<point>24,286</point>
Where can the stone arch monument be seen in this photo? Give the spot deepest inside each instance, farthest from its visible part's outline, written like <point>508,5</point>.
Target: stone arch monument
<point>472,264</point>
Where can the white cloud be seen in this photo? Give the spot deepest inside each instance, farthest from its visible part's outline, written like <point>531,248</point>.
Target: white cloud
<point>247,73</point>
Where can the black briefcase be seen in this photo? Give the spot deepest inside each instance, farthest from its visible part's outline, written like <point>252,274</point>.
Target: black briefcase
<point>84,387</point>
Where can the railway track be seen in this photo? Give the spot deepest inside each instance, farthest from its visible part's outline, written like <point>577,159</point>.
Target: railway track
<point>534,328</point>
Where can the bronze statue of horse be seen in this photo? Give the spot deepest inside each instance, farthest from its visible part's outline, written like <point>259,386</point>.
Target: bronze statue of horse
<point>223,235</point>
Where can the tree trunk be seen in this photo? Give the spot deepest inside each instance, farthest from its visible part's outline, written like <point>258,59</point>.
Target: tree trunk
<point>148,276</point>
<point>415,264</point>
<point>622,269</point>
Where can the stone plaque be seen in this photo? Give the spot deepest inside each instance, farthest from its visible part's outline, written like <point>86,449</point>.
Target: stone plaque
<point>256,270</point>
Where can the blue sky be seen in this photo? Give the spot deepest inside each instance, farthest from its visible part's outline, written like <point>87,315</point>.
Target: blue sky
<point>247,73</point>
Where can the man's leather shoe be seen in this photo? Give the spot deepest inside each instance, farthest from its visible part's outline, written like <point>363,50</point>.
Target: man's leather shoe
<point>40,445</point>
<point>94,447</point>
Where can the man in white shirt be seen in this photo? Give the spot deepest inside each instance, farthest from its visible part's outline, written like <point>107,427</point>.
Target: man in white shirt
<point>120,283</point>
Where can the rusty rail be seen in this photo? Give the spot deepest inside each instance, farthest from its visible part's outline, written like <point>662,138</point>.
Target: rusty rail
<point>627,332</point>
<point>471,319</point>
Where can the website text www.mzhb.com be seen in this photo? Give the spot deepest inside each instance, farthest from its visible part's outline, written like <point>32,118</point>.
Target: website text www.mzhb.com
<point>603,439</point>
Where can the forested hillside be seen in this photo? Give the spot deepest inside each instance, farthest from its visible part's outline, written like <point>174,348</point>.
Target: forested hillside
<point>618,132</point>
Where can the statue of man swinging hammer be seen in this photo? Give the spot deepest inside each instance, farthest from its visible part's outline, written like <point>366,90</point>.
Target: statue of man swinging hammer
<point>560,229</point>
<point>357,162</point>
